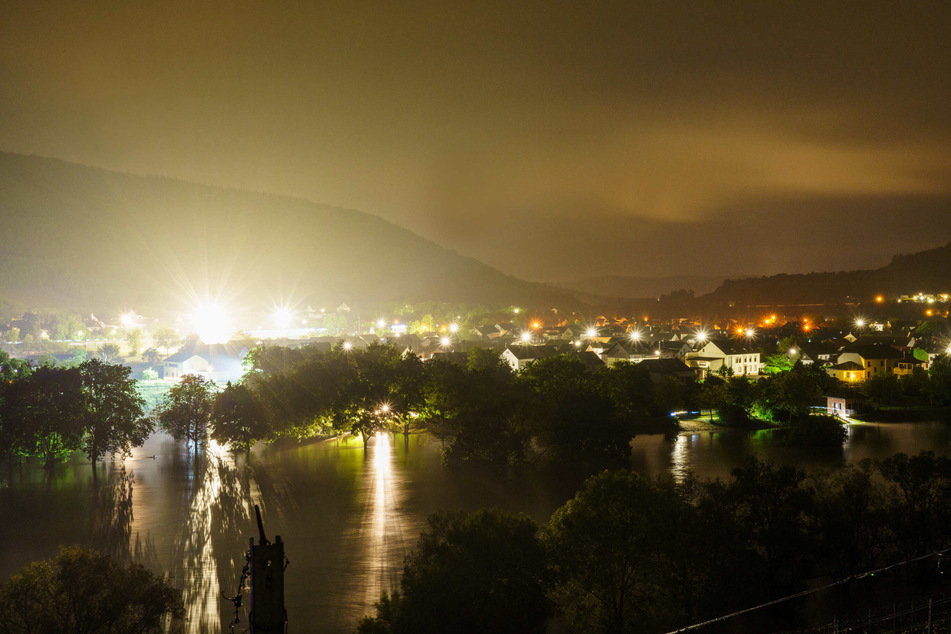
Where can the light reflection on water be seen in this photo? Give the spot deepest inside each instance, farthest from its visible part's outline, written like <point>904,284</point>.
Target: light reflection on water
<point>347,516</point>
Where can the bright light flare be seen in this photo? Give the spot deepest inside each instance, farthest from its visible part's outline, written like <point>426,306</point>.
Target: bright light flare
<point>212,324</point>
<point>127,320</point>
<point>526,336</point>
<point>592,333</point>
<point>445,341</point>
<point>453,327</point>
<point>702,336</point>
<point>282,318</point>
<point>635,335</point>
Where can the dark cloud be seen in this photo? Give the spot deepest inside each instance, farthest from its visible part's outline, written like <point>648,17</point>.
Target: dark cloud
<point>542,138</point>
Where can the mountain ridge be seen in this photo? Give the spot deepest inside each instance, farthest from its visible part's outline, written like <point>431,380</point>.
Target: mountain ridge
<point>80,235</point>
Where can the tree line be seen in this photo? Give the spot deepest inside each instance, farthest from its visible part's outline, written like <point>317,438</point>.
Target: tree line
<point>631,554</point>
<point>49,412</point>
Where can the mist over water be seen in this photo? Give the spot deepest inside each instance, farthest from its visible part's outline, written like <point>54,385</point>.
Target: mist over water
<point>348,517</point>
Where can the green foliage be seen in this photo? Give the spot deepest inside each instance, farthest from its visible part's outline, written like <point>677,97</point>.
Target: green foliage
<point>239,419</point>
<point>41,414</point>
<point>483,572</point>
<point>112,410</point>
<point>883,389</point>
<point>478,414</point>
<point>816,431</point>
<point>603,545</point>
<point>571,415</point>
<point>84,592</point>
<point>165,338</point>
<point>109,352</point>
<point>149,374</point>
<point>134,339</point>
<point>186,411</point>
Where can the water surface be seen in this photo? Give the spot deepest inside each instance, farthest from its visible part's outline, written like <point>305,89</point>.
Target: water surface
<point>347,516</point>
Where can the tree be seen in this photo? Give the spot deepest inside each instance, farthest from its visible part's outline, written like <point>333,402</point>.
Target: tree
<point>152,355</point>
<point>572,415</point>
<point>165,338</point>
<point>186,411</point>
<point>606,547</point>
<point>113,419</point>
<point>108,352</point>
<point>42,413</point>
<point>85,592</point>
<point>134,339</point>
<point>12,334</point>
<point>477,414</point>
<point>710,396</point>
<point>483,572</point>
<point>239,419</point>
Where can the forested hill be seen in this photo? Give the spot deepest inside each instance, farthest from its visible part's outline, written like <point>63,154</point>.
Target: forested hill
<point>85,238</point>
<point>927,271</point>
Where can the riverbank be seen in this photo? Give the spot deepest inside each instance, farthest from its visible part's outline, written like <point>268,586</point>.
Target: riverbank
<point>704,424</point>
<point>904,415</point>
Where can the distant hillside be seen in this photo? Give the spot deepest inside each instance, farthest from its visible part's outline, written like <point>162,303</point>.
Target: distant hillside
<point>631,287</point>
<point>84,238</point>
<point>926,271</point>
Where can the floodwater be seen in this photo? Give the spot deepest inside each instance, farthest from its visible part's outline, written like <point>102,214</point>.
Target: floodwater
<point>347,516</point>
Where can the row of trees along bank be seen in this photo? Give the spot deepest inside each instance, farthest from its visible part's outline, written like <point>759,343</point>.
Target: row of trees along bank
<point>482,411</point>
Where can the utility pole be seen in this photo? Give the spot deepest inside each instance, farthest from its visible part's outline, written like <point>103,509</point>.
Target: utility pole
<point>267,583</point>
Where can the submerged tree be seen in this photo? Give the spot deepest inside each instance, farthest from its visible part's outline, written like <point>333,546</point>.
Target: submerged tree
<point>239,418</point>
<point>187,410</point>
<point>112,410</point>
<point>42,414</point>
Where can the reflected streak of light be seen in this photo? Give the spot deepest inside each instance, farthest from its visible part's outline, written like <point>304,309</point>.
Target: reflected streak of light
<point>200,570</point>
<point>680,458</point>
<point>385,548</point>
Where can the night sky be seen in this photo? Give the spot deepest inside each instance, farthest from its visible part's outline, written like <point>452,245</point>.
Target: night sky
<point>550,140</point>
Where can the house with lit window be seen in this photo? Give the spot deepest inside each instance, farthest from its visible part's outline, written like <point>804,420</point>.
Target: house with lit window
<point>738,357</point>
<point>874,359</point>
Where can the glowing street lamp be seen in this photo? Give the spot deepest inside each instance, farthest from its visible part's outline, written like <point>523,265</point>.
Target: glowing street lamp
<point>453,328</point>
<point>347,345</point>
<point>210,322</point>
<point>635,335</point>
<point>702,336</point>
<point>282,318</point>
<point>127,320</point>
<point>445,341</point>
<point>526,336</point>
<point>592,333</point>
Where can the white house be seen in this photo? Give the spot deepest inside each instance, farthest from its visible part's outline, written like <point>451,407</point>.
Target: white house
<point>218,362</point>
<point>740,357</point>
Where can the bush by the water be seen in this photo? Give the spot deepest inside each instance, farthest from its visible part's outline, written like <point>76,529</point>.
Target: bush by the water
<point>816,431</point>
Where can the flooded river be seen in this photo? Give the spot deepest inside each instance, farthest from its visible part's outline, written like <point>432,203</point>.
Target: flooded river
<point>347,517</point>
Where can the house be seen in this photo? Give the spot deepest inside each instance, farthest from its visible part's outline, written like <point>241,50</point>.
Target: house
<point>631,351</point>
<point>660,369</point>
<point>737,356</point>
<point>519,357</point>
<point>218,362</point>
<point>847,371</point>
<point>816,353</point>
<point>875,359</point>
<point>845,404</point>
